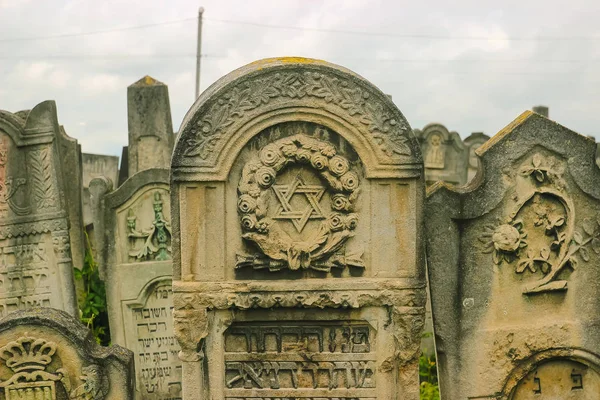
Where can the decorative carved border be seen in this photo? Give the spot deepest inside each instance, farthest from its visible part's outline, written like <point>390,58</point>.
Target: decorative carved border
<point>285,82</point>
<point>406,310</point>
<point>33,228</point>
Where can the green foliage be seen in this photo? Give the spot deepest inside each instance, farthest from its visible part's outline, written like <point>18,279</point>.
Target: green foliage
<point>92,297</point>
<point>428,378</point>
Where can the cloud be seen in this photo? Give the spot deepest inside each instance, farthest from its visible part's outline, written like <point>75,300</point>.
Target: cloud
<point>438,74</point>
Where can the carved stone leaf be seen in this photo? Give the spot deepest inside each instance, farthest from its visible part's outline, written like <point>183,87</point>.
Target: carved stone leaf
<point>589,226</point>
<point>584,254</point>
<point>577,238</point>
<point>596,245</point>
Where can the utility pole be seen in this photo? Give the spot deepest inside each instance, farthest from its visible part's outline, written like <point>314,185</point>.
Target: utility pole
<point>199,51</point>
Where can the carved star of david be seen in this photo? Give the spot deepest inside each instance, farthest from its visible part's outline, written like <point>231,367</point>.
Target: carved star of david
<point>299,218</point>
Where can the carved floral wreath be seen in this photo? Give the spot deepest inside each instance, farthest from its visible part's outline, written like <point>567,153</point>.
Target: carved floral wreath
<point>320,252</point>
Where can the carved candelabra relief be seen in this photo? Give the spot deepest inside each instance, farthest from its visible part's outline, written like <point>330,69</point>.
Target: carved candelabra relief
<point>155,240</point>
<point>539,235</point>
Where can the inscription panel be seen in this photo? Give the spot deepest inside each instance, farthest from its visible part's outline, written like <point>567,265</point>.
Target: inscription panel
<point>25,276</point>
<point>559,379</point>
<point>158,368</point>
<point>300,359</point>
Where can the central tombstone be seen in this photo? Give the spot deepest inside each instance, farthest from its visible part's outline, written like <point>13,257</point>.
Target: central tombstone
<point>296,195</point>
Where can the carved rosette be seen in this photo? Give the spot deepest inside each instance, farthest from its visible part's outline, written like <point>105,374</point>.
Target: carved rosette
<point>322,250</point>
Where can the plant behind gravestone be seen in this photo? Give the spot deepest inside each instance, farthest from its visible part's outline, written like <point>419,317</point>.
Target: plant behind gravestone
<point>92,300</point>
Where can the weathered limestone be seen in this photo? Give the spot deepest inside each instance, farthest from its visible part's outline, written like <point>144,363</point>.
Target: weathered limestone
<point>70,161</point>
<point>513,268</point>
<point>95,166</point>
<point>296,195</point>
<point>473,142</point>
<point>542,110</point>
<point>150,128</point>
<point>47,354</point>
<point>444,154</point>
<point>136,264</point>
<point>36,266</point>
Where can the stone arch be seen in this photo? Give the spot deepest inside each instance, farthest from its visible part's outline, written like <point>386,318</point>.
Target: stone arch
<point>241,104</point>
<point>582,356</point>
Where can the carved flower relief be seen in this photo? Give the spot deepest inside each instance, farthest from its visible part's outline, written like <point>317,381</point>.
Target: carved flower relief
<point>504,241</point>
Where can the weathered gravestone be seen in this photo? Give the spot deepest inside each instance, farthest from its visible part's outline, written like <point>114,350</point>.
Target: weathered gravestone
<point>46,354</point>
<point>135,250</point>
<point>473,142</point>
<point>95,166</point>
<point>513,263</point>
<point>35,256</point>
<point>444,154</point>
<point>150,128</point>
<point>70,157</point>
<point>298,267</point>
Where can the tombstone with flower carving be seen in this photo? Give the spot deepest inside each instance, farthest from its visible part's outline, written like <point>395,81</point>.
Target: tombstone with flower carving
<point>514,276</point>
<point>45,354</point>
<point>296,192</point>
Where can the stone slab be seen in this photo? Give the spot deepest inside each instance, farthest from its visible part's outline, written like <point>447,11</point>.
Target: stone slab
<point>513,268</point>
<point>296,198</point>
<point>36,267</point>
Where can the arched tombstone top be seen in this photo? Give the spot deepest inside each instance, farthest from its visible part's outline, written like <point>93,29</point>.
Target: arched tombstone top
<point>439,129</point>
<point>31,127</point>
<point>261,94</point>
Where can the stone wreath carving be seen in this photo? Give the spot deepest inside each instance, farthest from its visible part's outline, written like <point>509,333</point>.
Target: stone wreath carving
<point>551,211</point>
<point>323,250</point>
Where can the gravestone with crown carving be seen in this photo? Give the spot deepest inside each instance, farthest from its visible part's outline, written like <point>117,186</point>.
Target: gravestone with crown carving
<point>46,354</point>
<point>513,263</point>
<point>296,196</point>
<point>444,155</point>
<point>135,251</point>
<point>36,266</point>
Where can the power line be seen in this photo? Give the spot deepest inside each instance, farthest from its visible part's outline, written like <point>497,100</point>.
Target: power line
<point>403,35</point>
<point>66,35</point>
<point>190,55</point>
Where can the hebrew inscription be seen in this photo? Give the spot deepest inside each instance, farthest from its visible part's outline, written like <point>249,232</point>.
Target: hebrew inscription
<point>559,379</point>
<point>300,356</point>
<point>157,366</point>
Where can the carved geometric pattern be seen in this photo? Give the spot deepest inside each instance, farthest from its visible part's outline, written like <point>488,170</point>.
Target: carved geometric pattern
<point>299,218</point>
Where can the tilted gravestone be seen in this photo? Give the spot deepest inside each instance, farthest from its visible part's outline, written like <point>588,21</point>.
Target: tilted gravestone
<point>46,354</point>
<point>513,263</point>
<point>136,257</point>
<point>296,196</point>
<point>135,246</point>
<point>444,155</point>
<point>35,257</point>
<point>473,142</point>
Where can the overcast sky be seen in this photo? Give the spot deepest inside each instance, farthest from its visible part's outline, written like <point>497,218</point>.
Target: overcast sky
<point>471,65</point>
